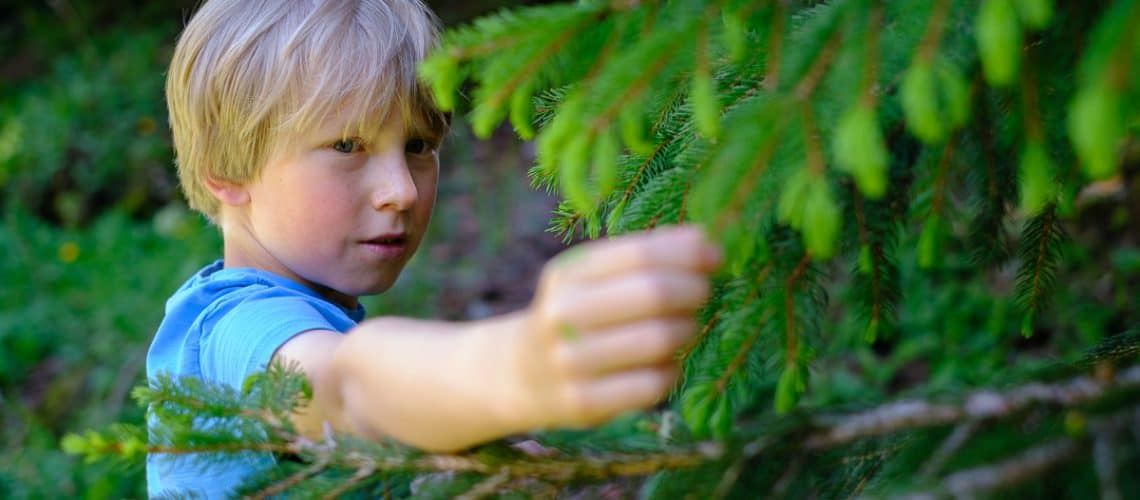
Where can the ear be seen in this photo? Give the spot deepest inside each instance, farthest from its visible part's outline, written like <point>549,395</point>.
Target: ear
<point>228,192</point>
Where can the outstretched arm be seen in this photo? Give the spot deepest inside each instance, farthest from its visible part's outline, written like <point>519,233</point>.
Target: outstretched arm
<point>599,338</point>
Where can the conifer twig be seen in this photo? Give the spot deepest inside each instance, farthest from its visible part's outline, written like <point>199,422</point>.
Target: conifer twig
<point>1105,465</point>
<point>961,434</point>
<point>1027,464</point>
<point>983,404</point>
<point>486,487</point>
<point>292,480</point>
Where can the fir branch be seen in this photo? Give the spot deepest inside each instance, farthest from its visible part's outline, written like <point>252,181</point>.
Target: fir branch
<point>510,29</point>
<point>635,89</point>
<point>1030,114</point>
<point>996,184</point>
<point>983,404</point>
<point>640,171</point>
<point>932,37</point>
<point>699,338</point>
<point>741,356</point>
<point>758,166</point>
<point>1040,252</point>
<point>876,279</point>
<point>361,474</point>
<point>958,437</point>
<point>808,83</point>
<point>500,93</point>
<point>871,55</point>
<point>941,186</point>
<point>486,487</point>
<point>1025,465</point>
<point>775,47</point>
<point>292,480</point>
<point>791,337</point>
<point>1105,464</point>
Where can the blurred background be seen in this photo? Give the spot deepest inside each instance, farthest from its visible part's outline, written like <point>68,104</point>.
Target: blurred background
<point>95,234</point>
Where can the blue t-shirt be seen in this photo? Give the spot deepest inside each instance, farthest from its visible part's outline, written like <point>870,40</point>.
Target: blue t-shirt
<point>222,325</point>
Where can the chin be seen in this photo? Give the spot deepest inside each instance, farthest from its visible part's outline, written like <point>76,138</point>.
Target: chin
<point>374,288</point>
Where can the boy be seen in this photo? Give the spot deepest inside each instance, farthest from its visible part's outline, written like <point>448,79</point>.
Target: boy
<point>300,130</point>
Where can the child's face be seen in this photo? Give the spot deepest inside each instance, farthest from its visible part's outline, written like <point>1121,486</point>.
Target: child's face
<point>343,216</point>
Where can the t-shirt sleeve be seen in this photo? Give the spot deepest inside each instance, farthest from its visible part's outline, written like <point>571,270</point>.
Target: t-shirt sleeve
<point>245,335</point>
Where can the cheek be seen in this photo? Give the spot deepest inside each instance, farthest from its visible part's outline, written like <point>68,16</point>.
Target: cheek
<point>426,184</point>
<point>313,205</point>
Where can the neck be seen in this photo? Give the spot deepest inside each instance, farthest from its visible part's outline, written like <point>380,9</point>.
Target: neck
<point>242,249</point>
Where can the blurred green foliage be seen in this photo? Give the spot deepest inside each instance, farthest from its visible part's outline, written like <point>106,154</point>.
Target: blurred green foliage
<point>90,135</point>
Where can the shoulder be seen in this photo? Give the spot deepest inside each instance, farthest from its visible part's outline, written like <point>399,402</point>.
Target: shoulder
<point>224,323</point>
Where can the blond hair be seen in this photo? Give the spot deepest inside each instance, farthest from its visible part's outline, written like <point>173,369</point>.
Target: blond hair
<point>248,74</point>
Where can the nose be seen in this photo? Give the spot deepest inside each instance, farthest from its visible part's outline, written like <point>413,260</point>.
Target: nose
<point>393,187</point>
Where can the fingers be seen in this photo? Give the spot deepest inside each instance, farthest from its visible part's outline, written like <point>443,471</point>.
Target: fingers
<point>604,398</point>
<point>681,248</point>
<point>647,343</point>
<point>630,299</point>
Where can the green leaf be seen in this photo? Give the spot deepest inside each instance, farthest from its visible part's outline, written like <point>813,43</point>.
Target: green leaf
<point>919,96</point>
<point>1035,13</point>
<point>859,150</point>
<point>697,405</point>
<point>1096,129</point>
<point>522,112</point>
<point>865,264</point>
<point>794,196</point>
<point>706,109</point>
<point>573,174</point>
<point>605,161</point>
<point>735,35</point>
<point>821,220</point>
<point>740,245</point>
<point>1038,189</point>
<point>872,331</point>
<point>788,389</point>
<point>998,34</point>
<point>721,418</point>
<point>955,93</point>
<point>633,130</point>
<point>929,241</point>
<point>441,71</point>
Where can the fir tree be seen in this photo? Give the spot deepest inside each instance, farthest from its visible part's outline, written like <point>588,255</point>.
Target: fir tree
<point>929,213</point>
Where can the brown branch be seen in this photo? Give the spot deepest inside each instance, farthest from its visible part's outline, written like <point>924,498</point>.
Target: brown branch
<point>961,434</point>
<point>296,478</point>
<point>362,473</point>
<point>932,37</point>
<point>871,56</point>
<point>772,76</point>
<point>1105,465</point>
<point>486,487</point>
<point>830,432</point>
<point>982,404</point>
<point>807,85</point>
<point>875,251</point>
<point>758,167</point>
<point>1025,465</point>
<point>940,178</point>
<point>532,66</point>
<point>790,309</point>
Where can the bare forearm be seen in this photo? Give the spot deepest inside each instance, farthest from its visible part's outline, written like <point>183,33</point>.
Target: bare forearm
<point>434,385</point>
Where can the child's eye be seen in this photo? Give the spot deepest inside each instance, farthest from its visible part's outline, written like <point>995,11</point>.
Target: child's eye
<point>347,146</point>
<point>418,147</point>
